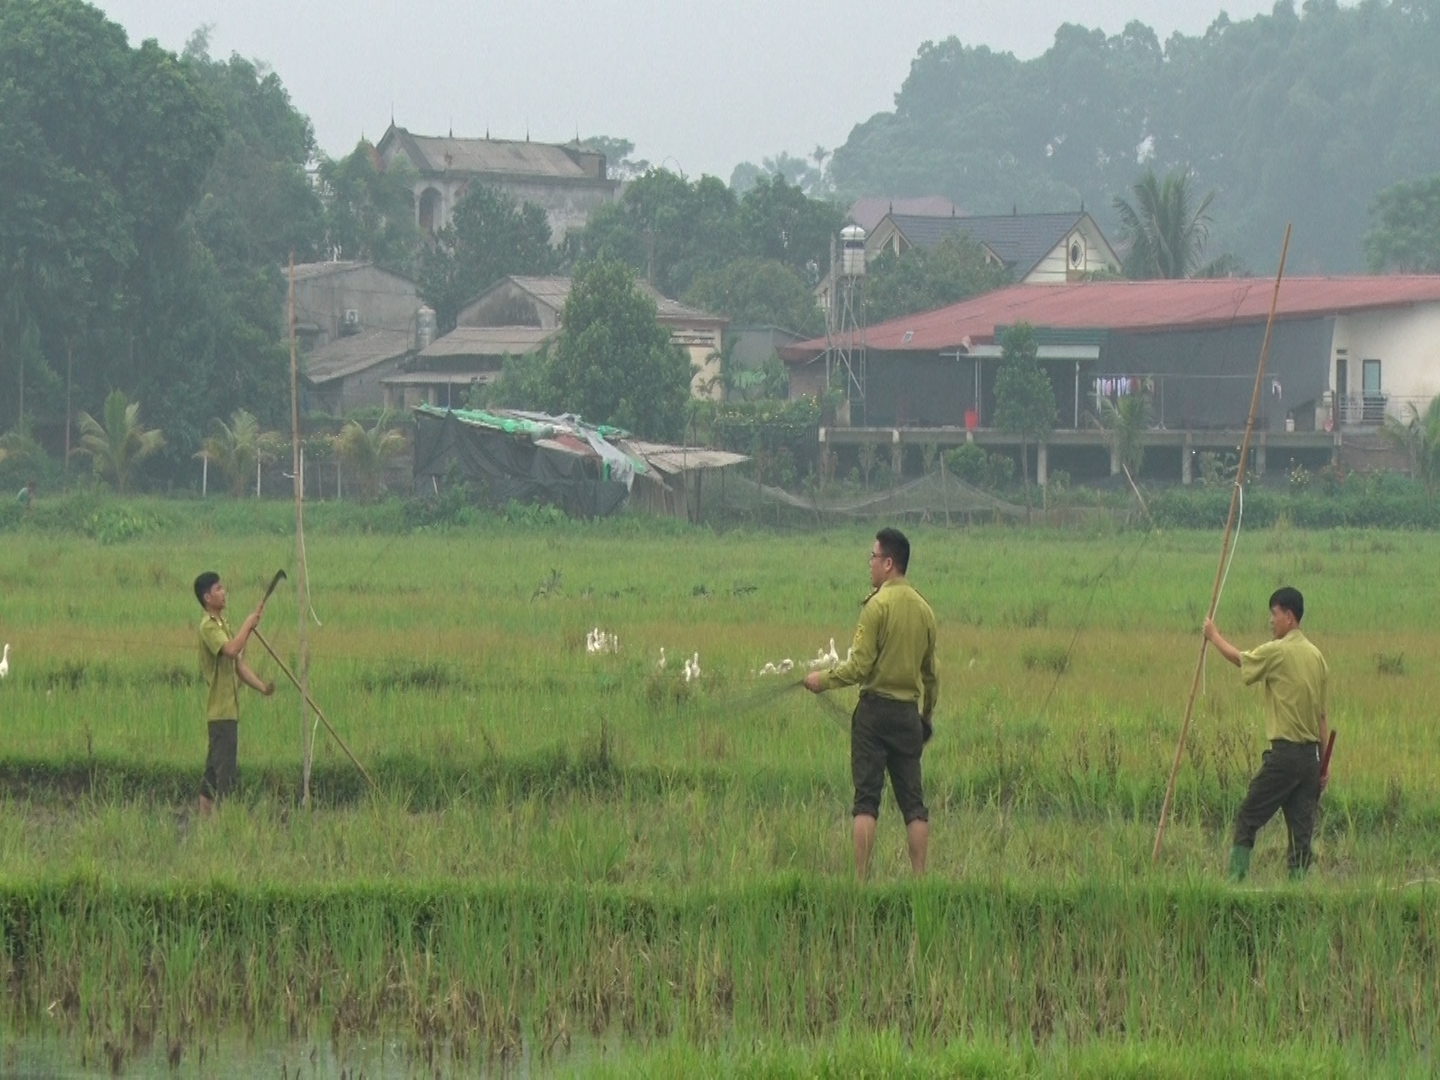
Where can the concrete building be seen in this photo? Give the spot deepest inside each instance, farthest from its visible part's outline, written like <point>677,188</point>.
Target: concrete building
<point>567,181</point>
<point>540,301</point>
<point>340,299</point>
<point>1345,353</point>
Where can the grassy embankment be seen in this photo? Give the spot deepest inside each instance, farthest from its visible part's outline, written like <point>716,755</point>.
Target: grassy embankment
<point>567,844</point>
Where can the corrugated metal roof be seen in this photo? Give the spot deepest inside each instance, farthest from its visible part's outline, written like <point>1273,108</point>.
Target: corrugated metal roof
<point>676,459</point>
<point>439,378</point>
<point>1020,240</point>
<point>496,156</point>
<point>305,271</point>
<point>347,355</point>
<point>1136,306</point>
<point>553,291</point>
<point>487,341</point>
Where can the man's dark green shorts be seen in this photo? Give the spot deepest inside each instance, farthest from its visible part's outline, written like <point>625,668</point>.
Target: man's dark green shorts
<point>221,770</point>
<point>886,735</point>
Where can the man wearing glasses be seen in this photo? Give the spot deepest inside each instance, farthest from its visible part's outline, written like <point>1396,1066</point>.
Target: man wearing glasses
<point>893,662</point>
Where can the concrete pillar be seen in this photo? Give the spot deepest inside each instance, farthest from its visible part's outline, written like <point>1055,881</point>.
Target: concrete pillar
<point>1042,463</point>
<point>1260,455</point>
<point>897,456</point>
<point>1187,463</point>
<point>1114,460</point>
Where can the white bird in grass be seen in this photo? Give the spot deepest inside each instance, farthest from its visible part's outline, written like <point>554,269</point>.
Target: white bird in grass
<point>786,664</point>
<point>833,657</point>
<point>5,662</point>
<point>692,668</point>
<point>660,664</point>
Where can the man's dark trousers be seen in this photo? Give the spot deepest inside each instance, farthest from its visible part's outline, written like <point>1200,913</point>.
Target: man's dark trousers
<point>1288,781</point>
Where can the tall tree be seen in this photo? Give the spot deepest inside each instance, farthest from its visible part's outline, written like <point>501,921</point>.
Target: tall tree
<point>758,292</point>
<point>921,280</point>
<point>370,209</point>
<point>488,238</point>
<point>1406,233</point>
<point>613,362</point>
<point>1335,101</point>
<point>779,221</point>
<point>1165,228</point>
<point>1024,396</point>
<point>119,445</point>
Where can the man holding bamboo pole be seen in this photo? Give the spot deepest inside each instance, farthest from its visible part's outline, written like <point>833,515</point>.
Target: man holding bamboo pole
<point>222,662</point>
<point>893,663</point>
<point>1292,775</point>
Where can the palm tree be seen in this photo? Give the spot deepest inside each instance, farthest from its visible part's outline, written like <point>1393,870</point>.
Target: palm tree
<point>1125,425</point>
<point>240,448</point>
<point>1418,436</point>
<point>368,452</point>
<point>1165,229</point>
<point>118,446</point>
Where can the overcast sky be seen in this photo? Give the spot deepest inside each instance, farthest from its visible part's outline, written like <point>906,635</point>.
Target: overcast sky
<point>695,85</point>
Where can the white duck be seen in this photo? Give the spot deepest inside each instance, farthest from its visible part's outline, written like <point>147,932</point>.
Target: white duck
<point>832,656</point>
<point>786,664</point>
<point>660,664</point>
<point>5,662</point>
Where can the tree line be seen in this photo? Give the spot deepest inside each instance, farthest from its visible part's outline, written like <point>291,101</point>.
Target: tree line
<point>1299,115</point>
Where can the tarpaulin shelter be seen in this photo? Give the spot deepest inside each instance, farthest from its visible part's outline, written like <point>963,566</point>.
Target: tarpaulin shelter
<point>588,470</point>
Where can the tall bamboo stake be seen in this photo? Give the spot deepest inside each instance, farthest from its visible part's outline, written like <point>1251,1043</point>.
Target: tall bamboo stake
<point>1224,550</point>
<point>302,583</point>
<point>316,709</point>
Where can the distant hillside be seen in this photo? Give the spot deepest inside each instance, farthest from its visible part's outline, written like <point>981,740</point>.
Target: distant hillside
<point>1290,116</point>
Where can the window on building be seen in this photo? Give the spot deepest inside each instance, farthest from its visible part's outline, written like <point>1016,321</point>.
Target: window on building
<point>1371,375</point>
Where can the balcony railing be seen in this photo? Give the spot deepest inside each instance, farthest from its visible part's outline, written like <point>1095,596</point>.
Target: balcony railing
<point>1362,409</point>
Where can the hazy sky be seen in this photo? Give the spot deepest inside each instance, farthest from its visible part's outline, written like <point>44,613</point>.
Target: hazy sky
<point>697,85</point>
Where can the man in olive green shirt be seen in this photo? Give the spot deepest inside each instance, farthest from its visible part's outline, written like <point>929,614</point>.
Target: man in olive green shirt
<point>222,663</point>
<point>893,662</point>
<point>1295,677</point>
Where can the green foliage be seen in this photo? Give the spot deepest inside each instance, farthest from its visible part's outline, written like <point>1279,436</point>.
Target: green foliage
<point>239,448</point>
<point>119,445</point>
<point>974,465</point>
<point>257,204</point>
<point>751,291</point>
<point>1125,425</point>
<point>613,362</point>
<point>672,230</point>
<point>922,280</point>
<point>1256,106</point>
<point>488,238</point>
<point>619,165</point>
<point>370,211</point>
<point>1405,236</point>
<point>368,452</point>
<point>1024,395</point>
<point>1418,437</point>
<point>1165,229</point>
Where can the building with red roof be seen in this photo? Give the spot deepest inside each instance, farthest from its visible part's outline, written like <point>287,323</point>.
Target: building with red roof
<point>1345,352</point>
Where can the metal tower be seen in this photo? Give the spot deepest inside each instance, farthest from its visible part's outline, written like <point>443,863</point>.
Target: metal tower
<point>845,323</point>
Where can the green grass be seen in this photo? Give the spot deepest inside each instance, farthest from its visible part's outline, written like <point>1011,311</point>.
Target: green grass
<point>568,847</point>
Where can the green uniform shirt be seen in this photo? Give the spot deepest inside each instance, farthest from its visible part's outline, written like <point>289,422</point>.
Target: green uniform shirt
<point>894,650</point>
<point>1295,677</point>
<point>218,670</point>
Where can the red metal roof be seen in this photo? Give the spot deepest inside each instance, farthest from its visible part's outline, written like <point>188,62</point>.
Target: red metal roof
<point>1136,306</point>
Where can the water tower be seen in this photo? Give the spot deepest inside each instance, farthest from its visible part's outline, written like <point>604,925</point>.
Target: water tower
<point>845,323</point>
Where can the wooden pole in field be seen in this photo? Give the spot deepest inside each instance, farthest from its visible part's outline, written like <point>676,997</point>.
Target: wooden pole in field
<point>1240,468</point>
<point>302,582</point>
<point>316,709</point>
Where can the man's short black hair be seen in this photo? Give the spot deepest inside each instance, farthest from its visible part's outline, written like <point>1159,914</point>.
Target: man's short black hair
<point>204,583</point>
<point>893,545</point>
<point>1288,599</point>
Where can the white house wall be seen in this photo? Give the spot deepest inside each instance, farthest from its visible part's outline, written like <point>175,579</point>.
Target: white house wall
<point>1406,341</point>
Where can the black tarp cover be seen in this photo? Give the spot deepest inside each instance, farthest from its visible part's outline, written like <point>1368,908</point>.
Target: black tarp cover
<point>510,466</point>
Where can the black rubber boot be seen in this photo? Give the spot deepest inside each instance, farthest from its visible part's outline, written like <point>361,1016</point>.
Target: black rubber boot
<point>1239,863</point>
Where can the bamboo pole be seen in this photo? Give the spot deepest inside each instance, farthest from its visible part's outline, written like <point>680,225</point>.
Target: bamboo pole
<point>316,709</point>
<point>302,582</point>
<point>1240,468</point>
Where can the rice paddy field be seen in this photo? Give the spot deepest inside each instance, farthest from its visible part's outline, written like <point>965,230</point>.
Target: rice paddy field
<point>578,863</point>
